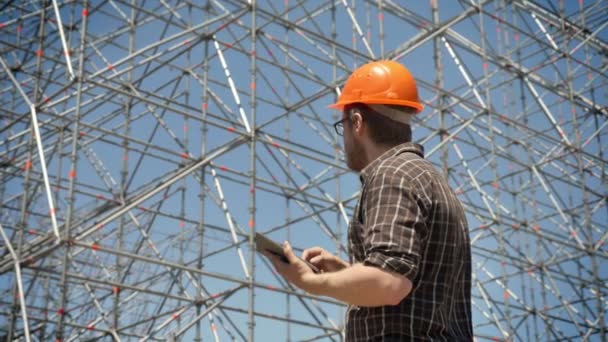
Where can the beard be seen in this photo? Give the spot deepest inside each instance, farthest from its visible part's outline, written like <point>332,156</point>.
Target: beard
<point>355,154</point>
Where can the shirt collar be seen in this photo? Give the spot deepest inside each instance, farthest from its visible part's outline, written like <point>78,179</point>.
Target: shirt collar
<point>401,148</point>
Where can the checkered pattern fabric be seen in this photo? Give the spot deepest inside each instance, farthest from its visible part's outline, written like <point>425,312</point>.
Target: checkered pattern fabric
<point>408,221</point>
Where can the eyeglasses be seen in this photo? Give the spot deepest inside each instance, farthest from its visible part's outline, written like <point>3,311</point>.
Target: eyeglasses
<point>339,126</point>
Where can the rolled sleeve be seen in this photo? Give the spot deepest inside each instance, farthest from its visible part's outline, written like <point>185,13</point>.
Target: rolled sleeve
<point>394,220</point>
<point>400,264</point>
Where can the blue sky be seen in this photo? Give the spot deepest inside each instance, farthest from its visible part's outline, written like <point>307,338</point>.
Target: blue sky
<point>306,136</point>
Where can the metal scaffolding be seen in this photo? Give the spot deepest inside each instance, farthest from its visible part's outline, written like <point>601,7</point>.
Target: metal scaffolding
<point>144,142</point>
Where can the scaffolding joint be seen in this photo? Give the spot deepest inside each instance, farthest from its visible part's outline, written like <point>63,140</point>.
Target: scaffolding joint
<point>128,87</point>
<point>5,164</point>
<point>71,27</point>
<point>15,68</point>
<point>27,262</point>
<point>199,301</point>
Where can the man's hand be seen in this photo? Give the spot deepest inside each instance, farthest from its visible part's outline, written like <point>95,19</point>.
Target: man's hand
<point>296,272</point>
<point>355,284</point>
<point>324,260</point>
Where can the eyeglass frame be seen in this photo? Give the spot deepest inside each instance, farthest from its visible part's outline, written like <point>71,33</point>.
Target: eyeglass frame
<point>339,126</point>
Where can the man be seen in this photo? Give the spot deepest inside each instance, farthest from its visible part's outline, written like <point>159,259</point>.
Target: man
<point>410,273</point>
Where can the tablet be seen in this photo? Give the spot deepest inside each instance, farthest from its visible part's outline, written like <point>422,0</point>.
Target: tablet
<point>264,244</point>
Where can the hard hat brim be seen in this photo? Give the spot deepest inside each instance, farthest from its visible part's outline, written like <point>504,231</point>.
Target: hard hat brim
<point>418,107</point>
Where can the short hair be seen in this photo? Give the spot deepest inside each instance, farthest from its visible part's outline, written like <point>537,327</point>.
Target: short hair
<point>383,130</point>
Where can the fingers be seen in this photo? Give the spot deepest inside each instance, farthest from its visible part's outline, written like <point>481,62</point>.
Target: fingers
<point>292,258</point>
<point>309,253</point>
<point>316,260</point>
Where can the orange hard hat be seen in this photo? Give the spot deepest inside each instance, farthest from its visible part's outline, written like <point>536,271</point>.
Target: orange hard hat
<point>382,82</point>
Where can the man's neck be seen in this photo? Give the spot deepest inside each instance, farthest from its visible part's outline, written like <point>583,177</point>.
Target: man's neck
<point>373,151</point>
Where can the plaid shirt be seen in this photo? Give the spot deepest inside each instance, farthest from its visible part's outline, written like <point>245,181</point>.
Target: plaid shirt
<point>408,221</point>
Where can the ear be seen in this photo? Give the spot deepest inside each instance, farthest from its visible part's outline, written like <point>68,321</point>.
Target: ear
<point>356,120</point>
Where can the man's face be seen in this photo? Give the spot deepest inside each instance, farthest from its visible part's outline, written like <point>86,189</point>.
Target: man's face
<point>353,149</point>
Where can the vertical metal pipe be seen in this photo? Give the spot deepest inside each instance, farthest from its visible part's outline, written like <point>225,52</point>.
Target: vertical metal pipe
<point>124,173</point>
<point>25,198</point>
<point>437,59</point>
<point>381,27</point>
<point>67,234</point>
<point>58,175</point>
<point>502,226</point>
<point>505,49</point>
<point>337,150</point>
<point>185,153</point>
<point>252,168</point>
<point>287,164</point>
<point>202,193</point>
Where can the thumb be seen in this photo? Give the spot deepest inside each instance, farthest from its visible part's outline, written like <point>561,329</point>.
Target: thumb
<point>289,253</point>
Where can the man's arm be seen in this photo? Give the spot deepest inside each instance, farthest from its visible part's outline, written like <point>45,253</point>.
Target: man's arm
<point>363,286</point>
<point>356,285</point>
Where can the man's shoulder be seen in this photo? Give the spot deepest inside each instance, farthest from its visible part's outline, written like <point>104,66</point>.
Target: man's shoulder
<point>407,165</point>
